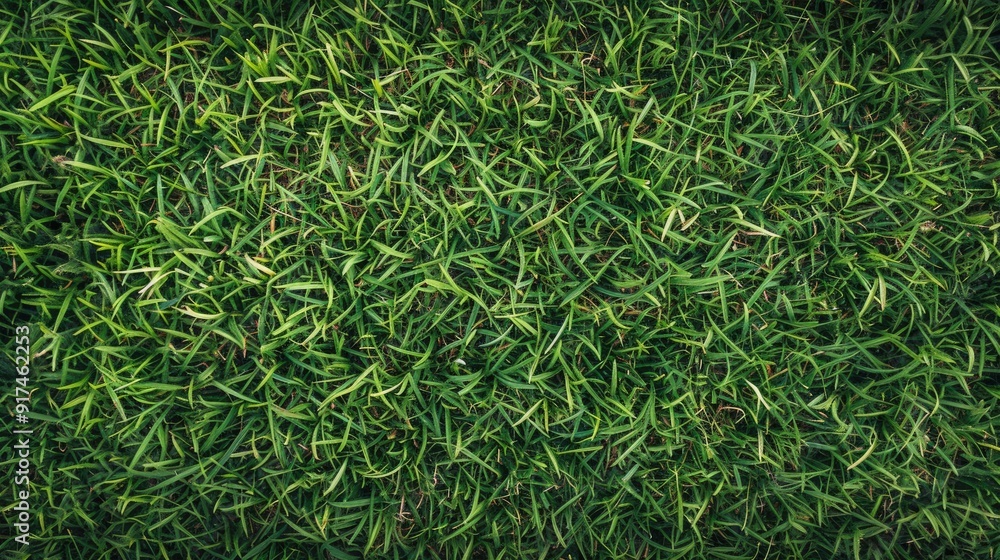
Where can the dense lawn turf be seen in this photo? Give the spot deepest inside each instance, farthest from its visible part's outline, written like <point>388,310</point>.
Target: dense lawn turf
<point>469,279</point>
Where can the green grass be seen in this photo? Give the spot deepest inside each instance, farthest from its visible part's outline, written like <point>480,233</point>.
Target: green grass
<point>480,280</point>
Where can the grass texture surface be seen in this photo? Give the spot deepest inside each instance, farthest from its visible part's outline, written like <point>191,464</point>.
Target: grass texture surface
<point>484,280</point>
